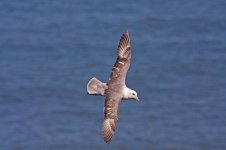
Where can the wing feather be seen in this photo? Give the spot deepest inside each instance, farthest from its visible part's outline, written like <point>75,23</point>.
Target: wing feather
<point>110,119</point>
<point>122,63</point>
<point>123,50</point>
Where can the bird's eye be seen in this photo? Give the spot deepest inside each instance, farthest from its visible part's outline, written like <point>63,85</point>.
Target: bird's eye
<point>133,93</point>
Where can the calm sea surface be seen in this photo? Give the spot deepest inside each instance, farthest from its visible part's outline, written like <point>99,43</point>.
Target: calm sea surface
<point>50,49</point>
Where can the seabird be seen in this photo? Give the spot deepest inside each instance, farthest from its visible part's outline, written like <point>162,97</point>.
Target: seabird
<point>115,89</point>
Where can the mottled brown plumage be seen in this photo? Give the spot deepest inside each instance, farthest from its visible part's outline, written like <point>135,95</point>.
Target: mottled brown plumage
<point>116,84</point>
<point>122,63</point>
<point>115,90</point>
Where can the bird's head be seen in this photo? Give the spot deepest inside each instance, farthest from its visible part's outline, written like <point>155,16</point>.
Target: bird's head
<point>133,95</point>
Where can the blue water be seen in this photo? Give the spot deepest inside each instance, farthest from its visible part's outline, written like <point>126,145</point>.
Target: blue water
<point>50,49</point>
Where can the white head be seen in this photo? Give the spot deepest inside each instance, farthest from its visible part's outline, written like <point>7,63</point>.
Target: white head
<point>130,94</point>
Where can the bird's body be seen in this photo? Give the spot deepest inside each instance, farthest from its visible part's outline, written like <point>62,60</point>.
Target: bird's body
<point>115,89</point>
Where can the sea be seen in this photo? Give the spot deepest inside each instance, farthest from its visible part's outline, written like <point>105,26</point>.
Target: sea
<point>49,50</point>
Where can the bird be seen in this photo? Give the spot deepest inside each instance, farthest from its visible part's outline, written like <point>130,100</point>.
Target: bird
<point>115,90</point>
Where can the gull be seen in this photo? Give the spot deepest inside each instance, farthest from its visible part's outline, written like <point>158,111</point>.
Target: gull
<point>115,90</point>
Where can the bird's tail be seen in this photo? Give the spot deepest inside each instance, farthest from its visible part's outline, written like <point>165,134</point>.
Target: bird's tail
<point>96,87</point>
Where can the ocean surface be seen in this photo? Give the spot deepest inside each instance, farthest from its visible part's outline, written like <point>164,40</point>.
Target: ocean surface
<point>50,49</point>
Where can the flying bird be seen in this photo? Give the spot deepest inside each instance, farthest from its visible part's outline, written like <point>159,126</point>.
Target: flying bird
<point>115,89</point>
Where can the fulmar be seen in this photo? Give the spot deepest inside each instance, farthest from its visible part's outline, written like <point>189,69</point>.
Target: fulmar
<point>115,89</point>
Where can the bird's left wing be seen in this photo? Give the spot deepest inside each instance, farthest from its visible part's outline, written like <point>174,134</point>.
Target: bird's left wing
<point>122,63</point>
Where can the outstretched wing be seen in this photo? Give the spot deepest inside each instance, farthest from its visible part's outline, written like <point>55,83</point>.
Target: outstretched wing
<point>122,63</point>
<point>113,94</point>
<point>111,108</point>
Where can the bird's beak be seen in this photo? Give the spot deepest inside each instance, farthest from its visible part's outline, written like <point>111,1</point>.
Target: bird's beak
<point>137,99</point>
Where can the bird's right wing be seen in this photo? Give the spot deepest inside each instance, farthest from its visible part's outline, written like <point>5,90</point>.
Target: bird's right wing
<point>111,109</point>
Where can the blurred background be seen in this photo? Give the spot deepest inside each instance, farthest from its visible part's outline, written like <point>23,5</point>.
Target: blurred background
<point>50,49</point>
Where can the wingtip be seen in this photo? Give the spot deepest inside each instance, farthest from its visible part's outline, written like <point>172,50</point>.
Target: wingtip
<point>127,32</point>
<point>107,142</point>
<point>123,50</point>
<point>106,131</point>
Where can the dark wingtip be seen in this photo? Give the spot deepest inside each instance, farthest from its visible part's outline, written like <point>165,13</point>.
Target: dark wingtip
<point>107,142</point>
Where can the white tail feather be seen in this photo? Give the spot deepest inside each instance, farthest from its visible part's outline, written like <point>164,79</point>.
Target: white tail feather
<point>96,87</point>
